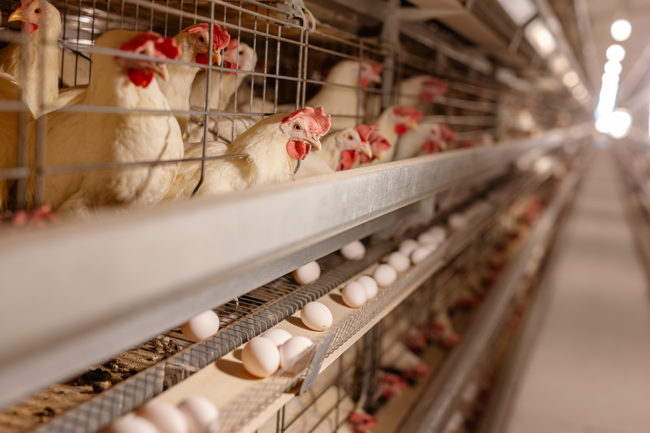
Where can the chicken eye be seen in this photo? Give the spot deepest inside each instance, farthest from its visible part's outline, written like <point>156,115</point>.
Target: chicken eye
<point>202,39</point>
<point>297,127</point>
<point>241,51</point>
<point>37,10</point>
<point>350,137</point>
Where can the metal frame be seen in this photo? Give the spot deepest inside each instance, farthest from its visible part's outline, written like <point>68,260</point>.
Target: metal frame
<point>439,399</point>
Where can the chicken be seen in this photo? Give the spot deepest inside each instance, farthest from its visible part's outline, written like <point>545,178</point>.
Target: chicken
<point>393,123</point>
<point>194,43</point>
<point>341,98</point>
<point>429,138</point>
<point>237,56</point>
<point>98,138</point>
<point>10,92</point>
<point>340,150</point>
<point>420,89</point>
<point>38,75</point>
<point>272,149</point>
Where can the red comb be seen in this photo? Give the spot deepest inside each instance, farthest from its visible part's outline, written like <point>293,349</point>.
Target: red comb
<point>317,122</point>
<point>365,131</point>
<point>164,47</point>
<point>234,44</point>
<point>220,36</point>
<point>407,110</point>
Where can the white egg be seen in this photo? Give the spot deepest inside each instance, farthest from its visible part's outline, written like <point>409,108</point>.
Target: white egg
<point>438,232</point>
<point>201,415</point>
<point>202,326</point>
<point>420,254</point>
<point>316,316</point>
<point>261,357</point>
<point>165,417</point>
<point>370,285</point>
<point>307,273</point>
<point>292,348</point>
<point>426,238</point>
<point>457,221</point>
<point>407,246</point>
<point>353,251</point>
<point>277,336</point>
<point>130,424</point>
<point>385,275</point>
<point>354,294</point>
<point>400,262</point>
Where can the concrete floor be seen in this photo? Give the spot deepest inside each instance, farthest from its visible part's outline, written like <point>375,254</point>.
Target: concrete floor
<point>590,369</point>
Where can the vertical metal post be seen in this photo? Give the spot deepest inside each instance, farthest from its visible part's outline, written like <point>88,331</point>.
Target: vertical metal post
<point>390,40</point>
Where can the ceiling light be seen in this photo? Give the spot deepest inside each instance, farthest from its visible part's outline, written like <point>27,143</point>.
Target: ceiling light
<point>520,11</point>
<point>559,64</point>
<point>618,123</point>
<point>540,36</point>
<point>621,30</point>
<point>615,53</point>
<point>570,79</point>
<point>613,68</point>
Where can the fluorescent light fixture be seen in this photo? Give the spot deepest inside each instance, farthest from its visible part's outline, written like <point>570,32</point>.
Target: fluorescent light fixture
<point>540,36</point>
<point>570,79</point>
<point>618,123</point>
<point>520,11</point>
<point>559,64</point>
<point>613,68</point>
<point>615,53</point>
<point>621,30</point>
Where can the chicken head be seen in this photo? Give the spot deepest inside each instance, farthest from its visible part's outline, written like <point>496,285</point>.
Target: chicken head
<point>431,88</point>
<point>33,14</point>
<point>200,42</point>
<point>303,129</point>
<point>154,46</point>
<point>239,55</point>
<point>406,117</point>
<point>370,73</point>
<point>353,142</point>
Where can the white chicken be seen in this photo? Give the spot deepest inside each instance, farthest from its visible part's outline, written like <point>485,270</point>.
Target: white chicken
<point>341,96</point>
<point>393,123</point>
<point>38,75</point>
<point>237,56</point>
<point>10,92</point>
<point>429,138</point>
<point>420,89</point>
<point>273,147</point>
<point>340,150</point>
<point>194,43</point>
<point>99,138</point>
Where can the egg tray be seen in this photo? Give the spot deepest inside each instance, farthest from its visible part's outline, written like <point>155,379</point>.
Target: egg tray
<point>119,385</point>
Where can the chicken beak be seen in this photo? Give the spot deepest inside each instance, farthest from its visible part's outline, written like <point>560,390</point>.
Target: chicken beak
<point>216,58</point>
<point>161,70</point>
<point>16,15</point>
<point>314,142</point>
<point>366,150</point>
<point>413,125</point>
<point>378,156</point>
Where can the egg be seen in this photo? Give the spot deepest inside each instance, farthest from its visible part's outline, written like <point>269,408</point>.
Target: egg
<point>261,357</point>
<point>316,316</point>
<point>407,246</point>
<point>420,254</point>
<point>164,416</point>
<point>370,285</point>
<point>385,275</point>
<point>201,415</point>
<point>457,221</point>
<point>307,273</point>
<point>202,326</point>
<point>427,238</point>
<point>438,232</point>
<point>277,336</point>
<point>130,424</point>
<point>353,251</point>
<point>400,262</point>
<point>292,348</point>
<point>354,294</point>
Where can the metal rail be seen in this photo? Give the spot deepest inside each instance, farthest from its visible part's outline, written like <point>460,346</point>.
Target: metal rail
<point>439,399</point>
<point>115,282</point>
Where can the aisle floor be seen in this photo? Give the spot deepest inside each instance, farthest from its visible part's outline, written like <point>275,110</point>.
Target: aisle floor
<point>590,369</point>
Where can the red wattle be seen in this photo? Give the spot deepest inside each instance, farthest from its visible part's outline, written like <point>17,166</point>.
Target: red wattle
<point>348,158</point>
<point>297,149</point>
<point>430,147</point>
<point>426,96</point>
<point>139,77</point>
<point>400,129</point>
<point>28,27</point>
<point>365,82</point>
